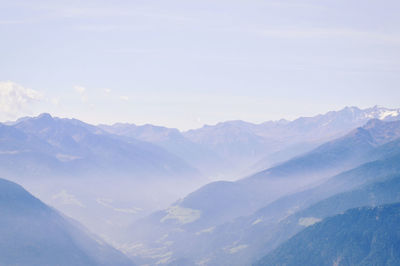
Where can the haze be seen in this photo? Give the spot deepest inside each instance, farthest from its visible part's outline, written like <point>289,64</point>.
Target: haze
<point>187,63</point>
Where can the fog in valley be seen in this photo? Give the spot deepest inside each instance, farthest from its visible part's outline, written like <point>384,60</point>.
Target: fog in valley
<point>205,133</point>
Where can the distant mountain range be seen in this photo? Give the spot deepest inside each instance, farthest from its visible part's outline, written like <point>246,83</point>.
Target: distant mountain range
<point>53,146</point>
<point>234,223</point>
<point>233,149</point>
<point>121,180</point>
<point>34,234</point>
<point>71,147</point>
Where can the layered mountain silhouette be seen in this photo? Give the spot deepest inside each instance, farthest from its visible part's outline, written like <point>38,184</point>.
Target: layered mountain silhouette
<point>69,146</point>
<point>209,218</point>
<point>233,149</point>
<point>174,141</point>
<point>113,178</point>
<point>78,167</point>
<point>370,184</point>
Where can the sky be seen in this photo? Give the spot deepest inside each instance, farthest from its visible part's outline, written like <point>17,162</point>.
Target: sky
<point>187,63</point>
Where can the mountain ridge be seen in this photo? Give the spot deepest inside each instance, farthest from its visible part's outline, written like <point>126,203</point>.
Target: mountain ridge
<point>33,233</point>
<point>238,148</point>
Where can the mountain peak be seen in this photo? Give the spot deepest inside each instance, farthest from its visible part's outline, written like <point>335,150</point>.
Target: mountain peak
<point>351,108</point>
<point>382,113</point>
<point>44,116</point>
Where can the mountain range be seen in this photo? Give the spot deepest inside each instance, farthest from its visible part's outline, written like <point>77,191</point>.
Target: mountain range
<point>236,222</point>
<point>74,147</point>
<point>76,166</point>
<point>149,190</point>
<point>233,149</point>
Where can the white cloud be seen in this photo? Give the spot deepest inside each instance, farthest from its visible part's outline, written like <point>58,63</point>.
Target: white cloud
<point>124,98</point>
<point>80,89</point>
<point>296,33</point>
<point>55,101</point>
<point>82,92</point>
<point>10,22</point>
<point>107,90</point>
<point>16,100</point>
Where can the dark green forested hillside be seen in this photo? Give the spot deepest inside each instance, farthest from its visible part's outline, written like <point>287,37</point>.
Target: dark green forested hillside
<point>361,236</point>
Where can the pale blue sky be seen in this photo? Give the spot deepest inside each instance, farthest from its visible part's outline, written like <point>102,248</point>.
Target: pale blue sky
<point>186,63</point>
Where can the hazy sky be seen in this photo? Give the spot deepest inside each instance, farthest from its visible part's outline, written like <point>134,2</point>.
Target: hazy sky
<point>186,63</point>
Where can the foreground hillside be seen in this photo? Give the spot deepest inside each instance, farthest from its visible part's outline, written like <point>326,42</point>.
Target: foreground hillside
<point>362,236</point>
<point>31,233</point>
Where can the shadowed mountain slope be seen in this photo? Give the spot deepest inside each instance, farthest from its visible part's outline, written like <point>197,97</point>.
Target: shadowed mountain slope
<point>362,236</point>
<point>34,234</point>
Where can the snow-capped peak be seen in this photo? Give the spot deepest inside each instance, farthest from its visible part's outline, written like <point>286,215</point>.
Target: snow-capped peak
<point>381,113</point>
